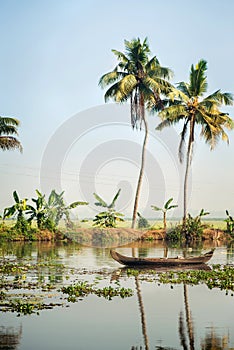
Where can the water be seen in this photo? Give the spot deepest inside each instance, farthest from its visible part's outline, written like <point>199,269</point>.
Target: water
<point>156,316</point>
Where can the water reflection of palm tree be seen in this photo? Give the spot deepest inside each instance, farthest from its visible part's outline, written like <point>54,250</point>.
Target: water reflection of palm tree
<point>214,342</point>
<point>189,323</point>
<point>9,338</point>
<point>142,312</point>
<point>230,253</point>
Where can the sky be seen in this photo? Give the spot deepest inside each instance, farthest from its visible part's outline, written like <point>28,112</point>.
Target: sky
<point>53,54</point>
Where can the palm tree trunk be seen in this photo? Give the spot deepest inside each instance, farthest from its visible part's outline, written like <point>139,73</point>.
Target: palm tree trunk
<point>188,162</point>
<point>137,196</point>
<point>164,221</point>
<point>186,182</point>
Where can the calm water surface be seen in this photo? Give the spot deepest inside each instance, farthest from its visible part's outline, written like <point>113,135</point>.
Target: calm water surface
<point>155,317</point>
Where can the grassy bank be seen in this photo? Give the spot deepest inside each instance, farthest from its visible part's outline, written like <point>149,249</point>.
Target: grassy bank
<point>84,232</point>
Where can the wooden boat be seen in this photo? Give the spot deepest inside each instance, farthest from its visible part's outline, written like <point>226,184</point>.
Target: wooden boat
<point>161,262</point>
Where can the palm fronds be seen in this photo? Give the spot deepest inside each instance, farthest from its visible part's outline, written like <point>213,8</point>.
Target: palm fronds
<point>8,127</point>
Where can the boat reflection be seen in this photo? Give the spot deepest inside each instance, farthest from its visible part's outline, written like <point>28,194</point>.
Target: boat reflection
<point>122,271</point>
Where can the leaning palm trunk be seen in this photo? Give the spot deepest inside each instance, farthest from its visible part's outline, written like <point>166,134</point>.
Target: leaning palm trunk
<point>139,183</point>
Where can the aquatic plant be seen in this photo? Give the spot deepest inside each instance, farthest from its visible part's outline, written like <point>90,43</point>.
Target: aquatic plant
<point>82,289</point>
<point>218,276</point>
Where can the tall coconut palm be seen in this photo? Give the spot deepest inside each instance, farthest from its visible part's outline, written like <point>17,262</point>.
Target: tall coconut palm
<point>8,127</point>
<point>187,104</point>
<point>139,79</point>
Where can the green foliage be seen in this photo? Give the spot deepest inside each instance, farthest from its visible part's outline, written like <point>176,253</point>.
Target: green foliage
<point>230,223</point>
<point>46,212</point>
<point>219,277</point>
<point>24,308</point>
<point>174,235</point>
<point>142,222</point>
<point>8,130</point>
<point>138,78</point>
<point>167,206</point>
<point>109,217</point>
<point>18,211</point>
<point>191,229</point>
<point>49,213</point>
<point>187,106</point>
<point>82,289</point>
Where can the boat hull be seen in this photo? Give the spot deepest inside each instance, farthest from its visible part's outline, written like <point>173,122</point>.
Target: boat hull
<point>161,262</point>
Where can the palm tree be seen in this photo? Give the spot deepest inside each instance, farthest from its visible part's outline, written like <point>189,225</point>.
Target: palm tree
<point>8,127</point>
<point>139,79</point>
<point>186,104</point>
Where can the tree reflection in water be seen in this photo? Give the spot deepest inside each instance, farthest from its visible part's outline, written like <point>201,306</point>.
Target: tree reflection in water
<point>189,323</point>
<point>214,342</point>
<point>9,338</point>
<point>142,312</point>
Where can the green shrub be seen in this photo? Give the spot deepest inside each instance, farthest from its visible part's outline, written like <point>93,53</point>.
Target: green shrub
<point>142,222</point>
<point>191,229</point>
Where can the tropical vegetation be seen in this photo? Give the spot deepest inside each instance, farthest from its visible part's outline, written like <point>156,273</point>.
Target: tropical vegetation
<point>187,105</point>
<point>46,212</point>
<point>110,216</point>
<point>139,79</point>
<point>8,133</point>
<point>142,222</point>
<point>167,206</point>
<point>230,223</point>
<point>193,226</point>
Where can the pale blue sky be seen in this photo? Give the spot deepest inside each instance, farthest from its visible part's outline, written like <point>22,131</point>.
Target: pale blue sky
<point>52,56</point>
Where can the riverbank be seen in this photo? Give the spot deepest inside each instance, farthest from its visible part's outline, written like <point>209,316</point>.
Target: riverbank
<point>107,236</point>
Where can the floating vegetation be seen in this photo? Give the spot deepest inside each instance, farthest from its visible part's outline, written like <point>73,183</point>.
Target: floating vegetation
<point>17,267</point>
<point>18,278</point>
<point>28,287</point>
<point>218,276</point>
<point>82,289</point>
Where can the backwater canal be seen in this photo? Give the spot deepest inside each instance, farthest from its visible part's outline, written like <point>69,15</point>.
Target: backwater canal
<point>147,315</point>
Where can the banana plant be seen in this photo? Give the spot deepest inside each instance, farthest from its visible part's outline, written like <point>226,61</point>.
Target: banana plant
<point>230,223</point>
<point>40,212</point>
<point>18,210</point>
<point>109,217</point>
<point>49,212</point>
<point>167,206</point>
<point>59,209</point>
